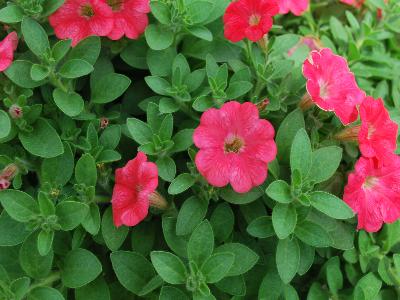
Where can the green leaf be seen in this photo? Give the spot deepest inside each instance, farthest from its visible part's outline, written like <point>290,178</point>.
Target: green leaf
<point>92,220</point>
<point>158,85</point>
<point>170,292</point>
<point>139,131</point>
<point>334,275</point>
<point>166,128</point>
<point>330,205</point>
<point>69,103</point>
<point>60,49</point>
<point>245,258</point>
<point>261,227</point>
<point>191,213</point>
<point>80,268</point>
<point>113,237</point>
<point>238,89</point>
<point>367,288</point>
<point>35,37</point>
<point>20,73</point>
<point>338,30</point>
<point>325,162</point>
<point>161,11</point>
<point>159,37</point>
<point>58,170</point>
<point>301,153</point>
<point>86,171</point>
<point>199,11</point>
<point>284,219</point>
<point>201,32</point>
<point>287,259</point>
<point>43,141</point>
<point>229,195</point>
<point>87,49</point>
<point>75,68</point>
<point>133,270</point>
<point>39,72</point>
<point>217,266</point>
<point>181,183</point>
<point>166,168</point>
<point>307,255</point>
<point>45,293</point>
<point>5,124</point>
<point>34,264</point>
<point>287,132</point>
<point>178,244</point>
<point>12,232</point>
<point>169,267</point>
<point>280,191</point>
<point>312,234</point>
<point>201,243</point>
<point>109,87</point>
<point>96,290</point>
<point>70,214</point>
<point>45,242</point>
<point>19,205</point>
<point>111,137</point>
<point>222,221</point>
<point>11,14</point>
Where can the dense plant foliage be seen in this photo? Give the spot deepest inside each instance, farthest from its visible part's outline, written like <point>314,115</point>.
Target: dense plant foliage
<point>196,149</point>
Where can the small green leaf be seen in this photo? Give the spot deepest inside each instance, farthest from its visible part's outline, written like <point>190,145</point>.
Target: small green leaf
<point>70,214</point>
<point>109,87</point>
<point>166,168</point>
<point>201,243</point>
<point>217,266</point>
<point>45,242</point>
<point>35,37</point>
<point>181,183</point>
<point>169,267</point>
<point>113,237</point>
<point>191,213</point>
<point>80,268</point>
<point>45,292</point>
<point>280,191</point>
<point>11,14</point>
<point>69,103</point>
<point>5,124</point>
<point>86,171</point>
<point>301,153</point>
<point>75,68</point>
<point>284,219</point>
<point>261,227</point>
<point>325,162</point>
<point>159,37</point>
<point>312,234</point>
<point>19,205</point>
<point>330,205</point>
<point>287,259</point>
<point>140,131</point>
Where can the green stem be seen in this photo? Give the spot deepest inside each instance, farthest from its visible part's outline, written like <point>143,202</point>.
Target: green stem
<point>187,111</point>
<point>55,80</point>
<point>46,282</point>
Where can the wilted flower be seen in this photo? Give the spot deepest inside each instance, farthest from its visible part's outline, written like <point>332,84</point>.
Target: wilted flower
<point>235,146</point>
<point>250,19</point>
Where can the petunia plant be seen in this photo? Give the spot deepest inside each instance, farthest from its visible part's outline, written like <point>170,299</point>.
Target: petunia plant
<point>199,149</point>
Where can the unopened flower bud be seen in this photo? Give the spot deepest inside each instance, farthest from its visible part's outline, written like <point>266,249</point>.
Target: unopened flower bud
<point>16,111</point>
<point>9,171</point>
<point>158,201</point>
<point>262,105</point>
<point>349,134</point>
<point>104,122</point>
<point>4,184</point>
<point>306,102</point>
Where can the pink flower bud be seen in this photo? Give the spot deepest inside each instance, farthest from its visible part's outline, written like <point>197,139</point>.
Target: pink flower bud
<point>16,111</point>
<point>4,184</point>
<point>104,122</point>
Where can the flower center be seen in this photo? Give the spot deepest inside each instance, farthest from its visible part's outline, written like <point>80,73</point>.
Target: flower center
<point>371,131</point>
<point>87,10</point>
<point>370,182</point>
<point>115,5</point>
<point>254,20</point>
<point>233,144</point>
<point>323,89</point>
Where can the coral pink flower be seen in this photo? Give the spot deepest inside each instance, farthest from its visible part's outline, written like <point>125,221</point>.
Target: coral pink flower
<point>235,146</point>
<point>355,3</point>
<point>79,19</point>
<point>130,18</point>
<point>7,48</point>
<point>250,19</point>
<point>378,133</point>
<point>331,84</point>
<point>297,7</point>
<point>134,185</point>
<point>373,192</point>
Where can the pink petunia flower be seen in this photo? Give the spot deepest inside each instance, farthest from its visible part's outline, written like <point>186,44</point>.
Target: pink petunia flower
<point>373,192</point>
<point>134,185</point>
<point>331,84</point>
<point>130,18</point>
<point>79,19</point>
<point>377,133</point>
<point>235,146</point>
<point>355,3</point>
<point>296,7</point>
<point>250,19</point>
<point>7,48</point>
